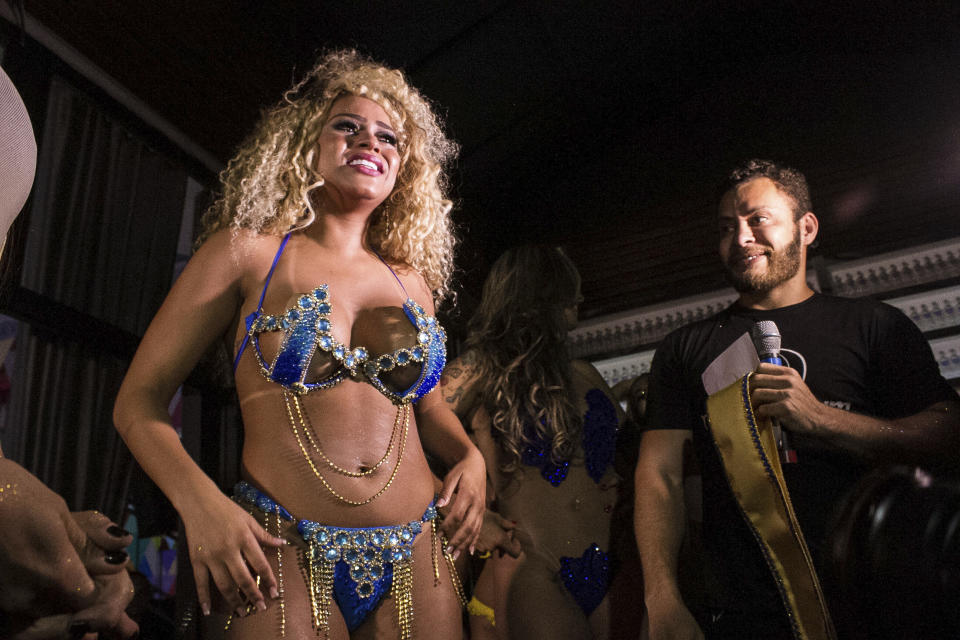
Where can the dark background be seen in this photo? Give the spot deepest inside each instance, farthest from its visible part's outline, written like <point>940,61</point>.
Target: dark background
<point>601,125</point>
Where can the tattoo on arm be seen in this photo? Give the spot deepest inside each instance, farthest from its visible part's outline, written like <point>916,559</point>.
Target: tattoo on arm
<point>455,396</point>
<point>451,372</point>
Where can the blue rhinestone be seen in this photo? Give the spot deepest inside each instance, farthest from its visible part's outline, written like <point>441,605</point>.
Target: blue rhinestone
<point>371,369</point>
<point>305,302</point>
<point>342,539</point>
<point>360,353</point>
<point>423,337</point>
<point>323,536</point>
<point>431,320</point>
<point>417,353</point>
<point>394,540</point>
<point>264,503</point>
<point>360,540</point>
<point>285,323</point>
<point>406,535</point>
<point>407,553</point>
<point>349,361</point>
<point>319,293</point>
<point>332,554</point>
<point>376,571</point>
<point>338,352</point>
<point>386,362</point>
<point>377,538</point>
<point>271,323</point>
<point>365,590</point>
<point>403,358</point>
<point>323,324</point>
<point>356,572</point>
<point>324,307</point>
<point>351,555</point>
<point>421,323</point>
<point>397,555</point>
<point>416,527</point>
<point>293,315</point>
<point>369,555</point>
<point>325,342</point>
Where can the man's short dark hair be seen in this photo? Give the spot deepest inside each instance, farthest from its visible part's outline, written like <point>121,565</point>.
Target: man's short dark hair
<point>788,180</point>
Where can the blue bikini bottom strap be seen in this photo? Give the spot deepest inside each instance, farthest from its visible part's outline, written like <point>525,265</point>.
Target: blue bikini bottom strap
<point>354,566</point>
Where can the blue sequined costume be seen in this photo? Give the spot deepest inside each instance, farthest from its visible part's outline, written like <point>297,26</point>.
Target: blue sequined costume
<point>306,330</point>
<point>587,578</point>
<point>354,567</point>
<point>363,560</point>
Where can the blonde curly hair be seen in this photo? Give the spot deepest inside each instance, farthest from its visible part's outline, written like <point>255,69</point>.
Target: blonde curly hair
<point>267,185</point>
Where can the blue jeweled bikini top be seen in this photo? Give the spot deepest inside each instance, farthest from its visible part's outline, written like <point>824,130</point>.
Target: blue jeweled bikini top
<point>599,442</point>
<point>306,328</point>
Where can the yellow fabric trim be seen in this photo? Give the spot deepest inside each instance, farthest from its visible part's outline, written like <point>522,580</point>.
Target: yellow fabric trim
<point>477,608</point>
<point>749,453</point>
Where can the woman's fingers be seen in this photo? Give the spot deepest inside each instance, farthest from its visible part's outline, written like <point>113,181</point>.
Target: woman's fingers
<point>257,560</point>
<point>202,578</point>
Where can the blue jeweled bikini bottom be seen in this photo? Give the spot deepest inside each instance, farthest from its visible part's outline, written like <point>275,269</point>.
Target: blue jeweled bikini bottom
<point>355,566</point>
<point>587,578</point>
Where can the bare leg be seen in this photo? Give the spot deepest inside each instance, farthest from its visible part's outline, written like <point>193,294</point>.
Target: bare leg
<point>295,618</point>
<point>539,606</point>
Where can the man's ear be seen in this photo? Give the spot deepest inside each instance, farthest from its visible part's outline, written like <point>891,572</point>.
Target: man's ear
<point>809,227</point>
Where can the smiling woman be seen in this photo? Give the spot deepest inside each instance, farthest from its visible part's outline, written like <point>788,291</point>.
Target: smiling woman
<point>321,263</point>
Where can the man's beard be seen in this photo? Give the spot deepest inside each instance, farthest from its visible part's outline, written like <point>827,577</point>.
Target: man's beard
<point>782,264</point>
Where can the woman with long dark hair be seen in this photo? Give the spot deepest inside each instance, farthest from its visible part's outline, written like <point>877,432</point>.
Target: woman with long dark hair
<point>547,427</point>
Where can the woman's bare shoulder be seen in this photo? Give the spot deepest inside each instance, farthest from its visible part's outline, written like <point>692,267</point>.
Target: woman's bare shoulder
<point>238,253</point>
<point>585,373</point>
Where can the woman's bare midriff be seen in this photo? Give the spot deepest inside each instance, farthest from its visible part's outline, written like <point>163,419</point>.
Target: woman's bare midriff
<point>352,423</point>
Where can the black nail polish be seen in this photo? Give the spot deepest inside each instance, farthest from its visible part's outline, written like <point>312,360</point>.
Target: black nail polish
<point>117,532</point>
<point>79,629</point>
<point>116,557</point>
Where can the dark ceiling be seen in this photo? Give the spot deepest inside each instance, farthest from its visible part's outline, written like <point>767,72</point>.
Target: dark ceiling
<point>598,124</point>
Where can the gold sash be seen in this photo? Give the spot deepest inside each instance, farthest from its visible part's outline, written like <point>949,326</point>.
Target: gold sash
<point>749,454</point>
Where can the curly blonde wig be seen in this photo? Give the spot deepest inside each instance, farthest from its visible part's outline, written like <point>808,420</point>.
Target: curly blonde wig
<point>517,340</point>
<point>267,185</point>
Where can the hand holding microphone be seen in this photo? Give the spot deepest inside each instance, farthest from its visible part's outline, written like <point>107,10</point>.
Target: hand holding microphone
<point>766,339</point>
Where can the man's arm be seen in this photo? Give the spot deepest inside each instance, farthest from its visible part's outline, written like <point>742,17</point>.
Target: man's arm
<point>930,436</point>
<point>659,526</point>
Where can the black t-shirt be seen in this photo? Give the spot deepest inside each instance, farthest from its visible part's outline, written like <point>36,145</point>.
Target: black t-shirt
<point>861,355</point>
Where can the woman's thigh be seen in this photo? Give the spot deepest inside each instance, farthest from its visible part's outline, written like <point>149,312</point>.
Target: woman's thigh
<point>290,616</point>
<point>539,606</point>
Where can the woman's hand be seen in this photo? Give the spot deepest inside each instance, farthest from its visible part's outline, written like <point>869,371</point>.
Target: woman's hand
<point>464,490</point>
<point>225,544</point>
<point>498,533</point>
<point>103,551</point>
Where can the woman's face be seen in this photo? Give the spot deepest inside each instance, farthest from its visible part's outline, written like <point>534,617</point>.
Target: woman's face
<point>357,152</point>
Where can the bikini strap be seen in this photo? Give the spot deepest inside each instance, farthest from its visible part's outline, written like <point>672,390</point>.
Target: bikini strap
<point>263,294</point>
<point>395,276</point>
<point>276,259</point>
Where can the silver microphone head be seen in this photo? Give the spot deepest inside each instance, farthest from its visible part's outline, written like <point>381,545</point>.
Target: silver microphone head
<point>766,339</point>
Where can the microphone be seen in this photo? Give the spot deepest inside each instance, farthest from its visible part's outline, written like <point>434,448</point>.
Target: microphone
<point>766,340</point>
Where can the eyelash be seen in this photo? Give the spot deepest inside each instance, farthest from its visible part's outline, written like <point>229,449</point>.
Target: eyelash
<point>352,127</point>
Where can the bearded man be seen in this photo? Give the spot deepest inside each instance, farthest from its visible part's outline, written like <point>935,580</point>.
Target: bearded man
<point>863,390</point>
